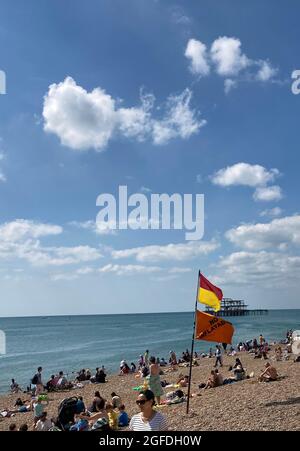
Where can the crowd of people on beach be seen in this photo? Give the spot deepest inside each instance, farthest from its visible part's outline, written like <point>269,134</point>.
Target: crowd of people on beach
<point>102,414</point>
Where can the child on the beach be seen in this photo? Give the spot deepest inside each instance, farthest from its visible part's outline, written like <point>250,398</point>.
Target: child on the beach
<point>115,400</point>
<point>112,417</point>
<point>123,416</point>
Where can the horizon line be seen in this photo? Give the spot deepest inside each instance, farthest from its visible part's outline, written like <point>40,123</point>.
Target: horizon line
<point>109,314</point>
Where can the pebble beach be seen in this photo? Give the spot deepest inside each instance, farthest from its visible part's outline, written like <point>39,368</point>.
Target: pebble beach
<point>246,405</point>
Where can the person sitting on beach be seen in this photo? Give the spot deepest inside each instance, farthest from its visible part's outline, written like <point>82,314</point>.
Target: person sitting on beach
<point>81,376</point>
<point>80,407</point>
<point>80,424</point>
<point>62,381</point>
<point>125,369</point>
<point>123,419</point>
<point>14,387</point>
<point>269,374</point>
<point>100,412</point>
<point>43,424</point>
<point>162,362</point>
<point>148,419</point>
<point>133,367</point>
<point>173,358</point>
<point>113,417</point>
<point>211,383</point>
<point>97,404</point>
<point>38,410</point>
<point>115,400</point>
<point>51,384</point>
<point>183,381</point>
<point>100,376</point>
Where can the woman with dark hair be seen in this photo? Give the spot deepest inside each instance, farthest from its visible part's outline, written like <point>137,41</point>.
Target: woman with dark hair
<point>154,379</point>
<point>148,419</point>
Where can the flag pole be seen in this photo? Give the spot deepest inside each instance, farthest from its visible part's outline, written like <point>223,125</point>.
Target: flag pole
<point>192,350</point>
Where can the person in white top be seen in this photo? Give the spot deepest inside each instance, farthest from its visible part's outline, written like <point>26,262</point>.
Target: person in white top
<point>148,419</point>
<point>43,424</point>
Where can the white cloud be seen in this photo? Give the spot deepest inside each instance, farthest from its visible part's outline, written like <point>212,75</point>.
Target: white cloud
<point>103,228</point>
<point>84,120</point>
<point>129,270</point>
<point>229,84</point>
<point>227,55</point>
<point>279,234</point>
<point>244,174</point>
<point>21,229</point>
<point>180,121</point>
<point>267,193</point>
<point>269,269</point>
<point>266,71</point>
<point>80,119</point>
<point>196,52</point>
<point>19,239</point>
<point>177,252</point>
<point>179,270</point>
<point>229,61</point>
<point>276,211</point>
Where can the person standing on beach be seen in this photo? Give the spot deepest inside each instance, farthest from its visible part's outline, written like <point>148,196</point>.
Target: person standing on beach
<point>37,381</point>
<point>154,380</point>
<point>218,355</point>
<point>261,340</point>
<point>146,358</point>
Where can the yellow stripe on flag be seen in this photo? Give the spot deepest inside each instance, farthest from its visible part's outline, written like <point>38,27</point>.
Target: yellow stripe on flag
<point>209,298</point>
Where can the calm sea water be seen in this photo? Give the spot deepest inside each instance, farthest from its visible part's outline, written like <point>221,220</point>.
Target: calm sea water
<point>69,343</point>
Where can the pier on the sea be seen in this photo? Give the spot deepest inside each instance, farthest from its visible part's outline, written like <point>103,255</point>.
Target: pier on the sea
<point>235,307</point>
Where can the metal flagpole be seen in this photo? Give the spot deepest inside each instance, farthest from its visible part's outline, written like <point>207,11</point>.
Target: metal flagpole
<point>192,350</point>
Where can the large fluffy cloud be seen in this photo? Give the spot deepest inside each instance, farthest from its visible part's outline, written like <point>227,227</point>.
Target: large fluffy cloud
<point>268,269</point>
<point>279,234</point>
<point>84,120</point>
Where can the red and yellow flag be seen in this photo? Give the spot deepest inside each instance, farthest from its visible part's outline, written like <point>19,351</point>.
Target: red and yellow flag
<point>212,328</point>
<point>209,294</point>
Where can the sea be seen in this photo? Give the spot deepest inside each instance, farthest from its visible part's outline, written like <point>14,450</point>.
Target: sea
<point>69,343</point>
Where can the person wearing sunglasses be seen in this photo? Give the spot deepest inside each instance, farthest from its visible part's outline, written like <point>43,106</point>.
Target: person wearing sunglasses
<point>148,419</point>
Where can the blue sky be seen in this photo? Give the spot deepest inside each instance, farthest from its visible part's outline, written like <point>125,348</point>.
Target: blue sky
<point>175,97</point>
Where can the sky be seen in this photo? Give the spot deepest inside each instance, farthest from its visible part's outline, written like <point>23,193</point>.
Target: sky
<point>162,97</point>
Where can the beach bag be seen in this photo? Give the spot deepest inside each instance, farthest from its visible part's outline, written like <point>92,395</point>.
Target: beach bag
<point>101,425</point>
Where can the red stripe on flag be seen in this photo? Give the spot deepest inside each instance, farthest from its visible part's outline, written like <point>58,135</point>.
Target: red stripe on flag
<point>207,285</point>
